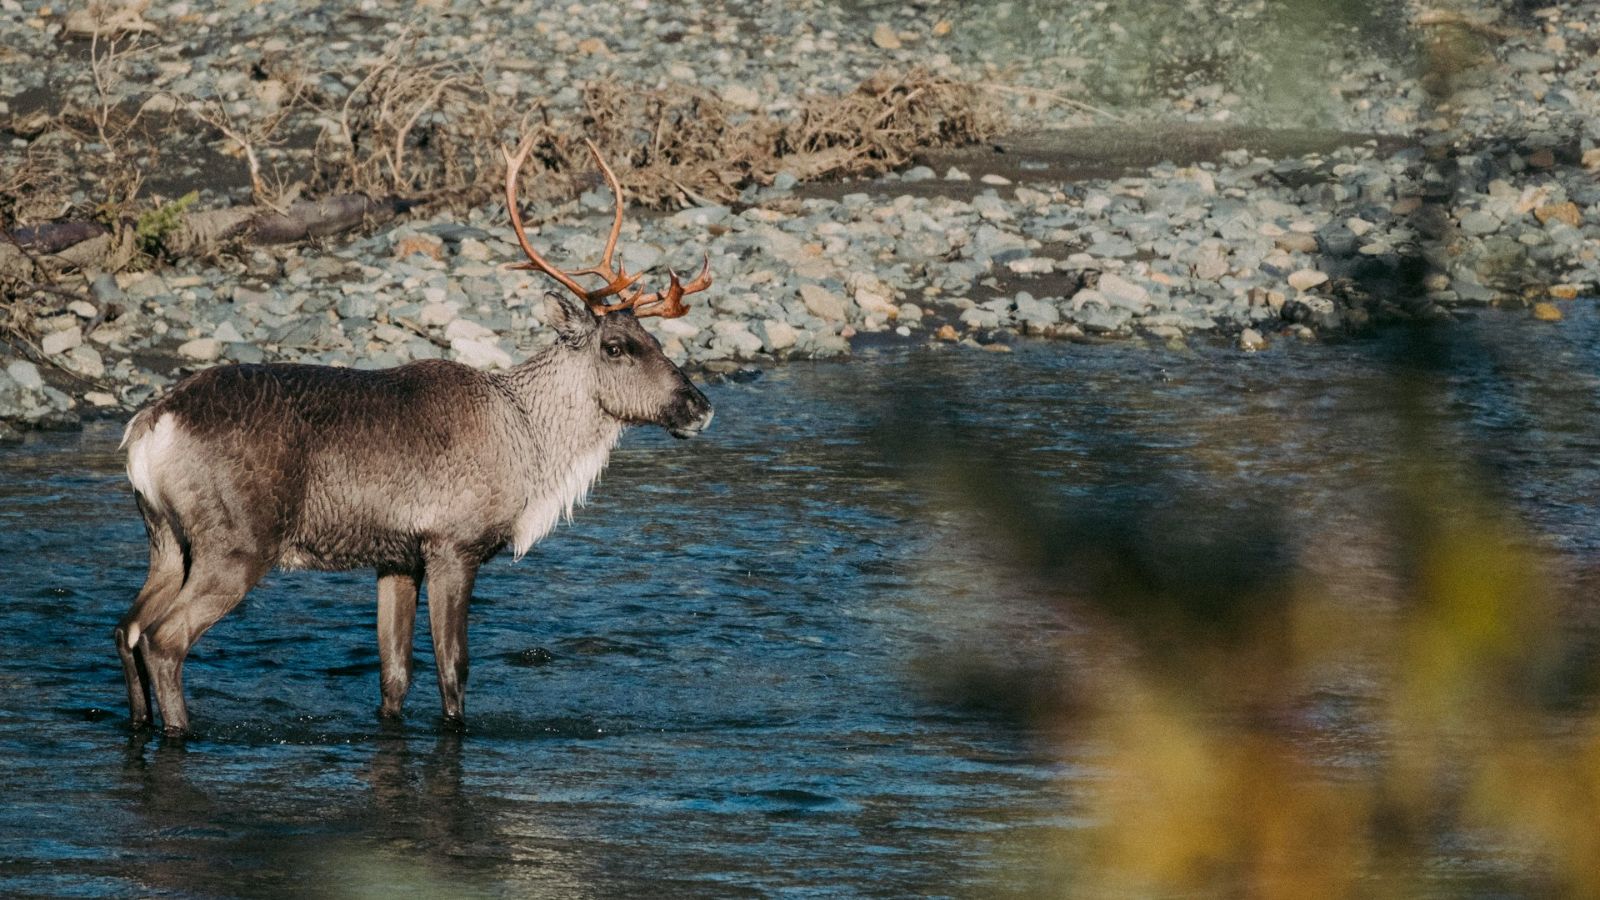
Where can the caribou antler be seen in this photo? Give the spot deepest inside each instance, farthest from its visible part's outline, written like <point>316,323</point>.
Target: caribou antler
<point>667,304</point>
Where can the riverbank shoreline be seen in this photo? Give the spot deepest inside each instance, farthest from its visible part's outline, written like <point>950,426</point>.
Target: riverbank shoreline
<point>1173,219</point>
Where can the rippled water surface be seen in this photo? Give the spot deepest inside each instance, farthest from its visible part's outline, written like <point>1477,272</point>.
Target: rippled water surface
<point>714,681</point>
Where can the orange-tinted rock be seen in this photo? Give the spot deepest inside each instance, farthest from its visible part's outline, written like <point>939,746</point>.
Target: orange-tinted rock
<point>1561,212</point>
<point>426,244</point>
<point>1547,312</point>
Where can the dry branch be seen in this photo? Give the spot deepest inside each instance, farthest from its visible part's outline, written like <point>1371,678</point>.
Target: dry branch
<point>680,144</point>
<point>84,244</point>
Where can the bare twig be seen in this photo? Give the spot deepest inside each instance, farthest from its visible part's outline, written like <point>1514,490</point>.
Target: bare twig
<point>251,135</point>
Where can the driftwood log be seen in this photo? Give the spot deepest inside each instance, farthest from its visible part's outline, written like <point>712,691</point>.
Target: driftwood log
<point>85,244</point>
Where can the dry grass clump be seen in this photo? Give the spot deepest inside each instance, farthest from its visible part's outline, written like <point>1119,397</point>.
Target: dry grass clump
<point>672,146</point>
<point>410,130</point>
<point>681,144</point>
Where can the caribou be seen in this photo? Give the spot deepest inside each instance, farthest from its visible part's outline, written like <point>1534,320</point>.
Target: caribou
<point>421,472</point>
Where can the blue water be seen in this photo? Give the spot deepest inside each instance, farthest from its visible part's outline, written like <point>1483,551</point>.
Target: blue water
<point>724,677</point>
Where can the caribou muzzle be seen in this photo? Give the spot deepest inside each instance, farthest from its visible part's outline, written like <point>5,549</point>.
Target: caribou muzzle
<point>690,413</point>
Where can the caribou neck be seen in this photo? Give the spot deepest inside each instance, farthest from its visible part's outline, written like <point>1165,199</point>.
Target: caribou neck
<point>566,436</point>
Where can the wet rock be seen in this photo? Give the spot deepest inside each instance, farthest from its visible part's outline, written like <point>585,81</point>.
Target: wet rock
<point>884,37</point>
<point>1251,340</point>
<point>1320,313</point>
<point>1547,312</point>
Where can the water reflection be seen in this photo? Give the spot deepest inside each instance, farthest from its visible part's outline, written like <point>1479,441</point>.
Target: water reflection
<point>413,824</point>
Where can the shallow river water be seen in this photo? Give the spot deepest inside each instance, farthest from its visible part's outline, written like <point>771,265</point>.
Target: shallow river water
<point>714,681</point>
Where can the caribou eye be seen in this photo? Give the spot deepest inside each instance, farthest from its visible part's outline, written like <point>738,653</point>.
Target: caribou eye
<point>613,350</point>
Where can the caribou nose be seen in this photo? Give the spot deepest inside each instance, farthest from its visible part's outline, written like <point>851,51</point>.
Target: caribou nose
<point>696,416</point>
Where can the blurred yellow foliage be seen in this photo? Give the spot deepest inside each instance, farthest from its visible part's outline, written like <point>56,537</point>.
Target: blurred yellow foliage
<point>1459,754</point>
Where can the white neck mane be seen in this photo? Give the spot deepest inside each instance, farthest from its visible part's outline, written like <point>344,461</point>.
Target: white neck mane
<point>555,498</point>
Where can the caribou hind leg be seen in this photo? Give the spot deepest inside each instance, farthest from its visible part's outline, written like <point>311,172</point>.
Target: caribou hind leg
<point>217,581</point>
<point>161,587</point>
<point>397,618</point>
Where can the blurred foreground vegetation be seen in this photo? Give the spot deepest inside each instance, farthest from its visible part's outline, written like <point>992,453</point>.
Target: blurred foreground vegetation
<point>1248,713</point>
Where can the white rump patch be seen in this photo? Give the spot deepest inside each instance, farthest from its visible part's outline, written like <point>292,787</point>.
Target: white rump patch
<point>148,454</point>
<point>570,489</point>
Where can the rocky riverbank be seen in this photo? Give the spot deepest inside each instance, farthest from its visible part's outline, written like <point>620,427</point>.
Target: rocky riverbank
<point>1454,168</point>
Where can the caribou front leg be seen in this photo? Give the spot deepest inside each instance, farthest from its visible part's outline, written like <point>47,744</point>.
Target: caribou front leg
<point>397,617</point>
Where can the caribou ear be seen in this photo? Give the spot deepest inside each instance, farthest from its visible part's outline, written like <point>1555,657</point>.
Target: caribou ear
<point>571,319</point>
